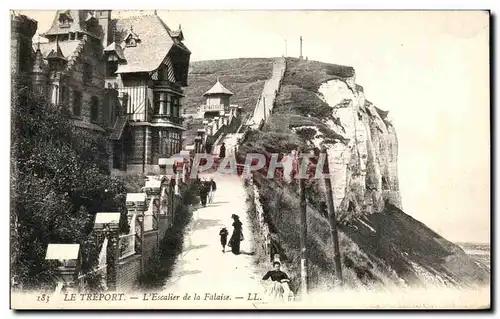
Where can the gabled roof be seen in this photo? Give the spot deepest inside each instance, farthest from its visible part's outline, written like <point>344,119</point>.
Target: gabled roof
<point>131,34</point>
<point>78,22</point>
<point>156,42</point>
<point>116,48</point>
<point>56,53</point>
<point>66,48</point>
<point>218,88</point>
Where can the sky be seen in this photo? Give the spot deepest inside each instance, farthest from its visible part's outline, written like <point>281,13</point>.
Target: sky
<point>429,69</point>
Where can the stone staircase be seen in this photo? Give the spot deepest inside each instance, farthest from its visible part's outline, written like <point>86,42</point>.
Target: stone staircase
<point>265,104</point>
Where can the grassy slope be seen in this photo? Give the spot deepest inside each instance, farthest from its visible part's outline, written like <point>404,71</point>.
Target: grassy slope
<point>298,102</point>
<point>244,77</point>
<point>368,257</point>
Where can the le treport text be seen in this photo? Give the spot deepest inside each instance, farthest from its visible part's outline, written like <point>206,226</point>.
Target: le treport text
<point>155,296</point>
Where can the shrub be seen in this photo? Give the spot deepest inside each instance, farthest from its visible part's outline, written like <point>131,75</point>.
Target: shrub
<point>162,261</point>
<point>59,179</point>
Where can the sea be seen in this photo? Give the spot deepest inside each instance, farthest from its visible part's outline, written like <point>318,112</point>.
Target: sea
<point>480,252</point>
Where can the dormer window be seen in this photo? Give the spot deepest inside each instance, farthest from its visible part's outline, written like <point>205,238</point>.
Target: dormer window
<point>132,39</point>
<point>64,19</point>
<point>131,42</point>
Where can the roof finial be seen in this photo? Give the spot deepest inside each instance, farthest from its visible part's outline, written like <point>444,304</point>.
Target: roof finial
<point>131,28</point>
<point>217,78</point>
<point>38,43</point>
<point>180,27</point>
<point>155,12</point>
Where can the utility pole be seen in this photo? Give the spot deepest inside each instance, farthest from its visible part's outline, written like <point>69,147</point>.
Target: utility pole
<point>300,48</point>
<point>331,215</point>
<point>264,100</point>
<point>303,232</point>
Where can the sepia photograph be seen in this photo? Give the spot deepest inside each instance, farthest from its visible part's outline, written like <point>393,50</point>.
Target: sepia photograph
<point>250,159</point>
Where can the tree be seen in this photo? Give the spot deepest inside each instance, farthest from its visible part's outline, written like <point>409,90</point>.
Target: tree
<point>59,180</point>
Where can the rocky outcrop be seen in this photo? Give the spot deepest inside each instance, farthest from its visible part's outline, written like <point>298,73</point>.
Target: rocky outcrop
<point>363,154</point>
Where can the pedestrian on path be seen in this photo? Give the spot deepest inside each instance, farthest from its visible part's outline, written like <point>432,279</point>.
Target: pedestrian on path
<point>213,188</point>
<point>237,235</point>
<point>223,238</point>
<point>279,282</point>
<point>203,193</point>
<point>222,150</point>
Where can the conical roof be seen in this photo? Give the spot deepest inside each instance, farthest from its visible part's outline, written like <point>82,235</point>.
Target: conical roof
<point>218,88</point>
<point>39,65</point>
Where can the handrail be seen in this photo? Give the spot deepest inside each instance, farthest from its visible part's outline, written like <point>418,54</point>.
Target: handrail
<point>127,241</point>
<point>266,232</point>
<point>148,216</point>
<point>127,245</point>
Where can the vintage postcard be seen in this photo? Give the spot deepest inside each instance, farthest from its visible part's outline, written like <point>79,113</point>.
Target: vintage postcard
<point>250,160</point>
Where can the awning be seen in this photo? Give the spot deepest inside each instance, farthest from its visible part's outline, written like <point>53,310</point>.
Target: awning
<point>117,132</point>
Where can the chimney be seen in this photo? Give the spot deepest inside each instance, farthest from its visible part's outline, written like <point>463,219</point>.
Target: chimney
<point>104,17</point>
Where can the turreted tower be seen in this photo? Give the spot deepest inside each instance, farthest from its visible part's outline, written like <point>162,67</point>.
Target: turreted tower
<point>39,73</point>
<point>22,31</point>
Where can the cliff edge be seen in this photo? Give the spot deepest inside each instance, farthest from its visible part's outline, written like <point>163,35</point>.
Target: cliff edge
<point>321,103</point>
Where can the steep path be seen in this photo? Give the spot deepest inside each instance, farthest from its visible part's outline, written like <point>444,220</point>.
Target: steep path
<point>271,87</point>
<point>203,267</point>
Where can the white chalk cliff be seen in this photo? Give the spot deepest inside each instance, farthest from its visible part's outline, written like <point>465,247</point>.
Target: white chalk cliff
<point>364,163</point>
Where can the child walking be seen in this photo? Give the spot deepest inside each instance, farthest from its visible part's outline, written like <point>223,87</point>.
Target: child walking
<point>223,238</point>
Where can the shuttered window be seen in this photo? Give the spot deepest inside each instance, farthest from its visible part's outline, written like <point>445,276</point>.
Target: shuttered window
<point>77,103</point>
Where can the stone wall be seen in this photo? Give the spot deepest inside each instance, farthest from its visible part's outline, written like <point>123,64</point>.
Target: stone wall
<point>128,271</point>
<point>150,243</point>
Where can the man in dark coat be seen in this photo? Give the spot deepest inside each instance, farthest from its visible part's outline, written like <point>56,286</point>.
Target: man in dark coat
<point>204,193</point>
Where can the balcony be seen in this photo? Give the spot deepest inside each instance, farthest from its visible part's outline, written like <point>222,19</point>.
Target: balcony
<point>173,119</point>
<point>212,108</point>
<point>167,85</point>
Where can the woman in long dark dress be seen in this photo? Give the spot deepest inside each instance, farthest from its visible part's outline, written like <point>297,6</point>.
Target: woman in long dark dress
<point>237,235</point>
<point>222,150</point>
